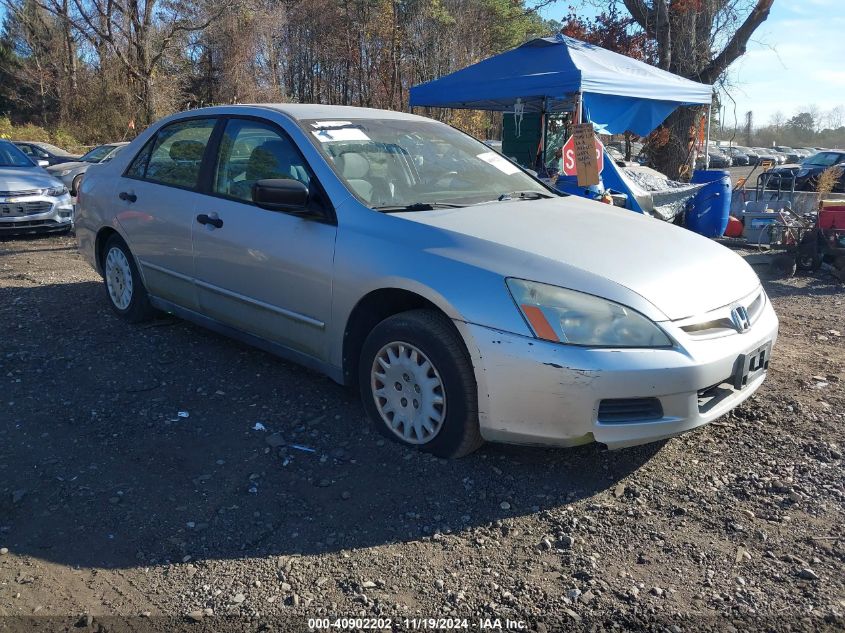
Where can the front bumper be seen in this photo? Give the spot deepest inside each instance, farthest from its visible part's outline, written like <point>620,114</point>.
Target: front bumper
<point>35,214</point>
<point>535,392</point>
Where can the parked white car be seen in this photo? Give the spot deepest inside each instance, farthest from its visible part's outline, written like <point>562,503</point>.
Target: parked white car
<point>466,299</point>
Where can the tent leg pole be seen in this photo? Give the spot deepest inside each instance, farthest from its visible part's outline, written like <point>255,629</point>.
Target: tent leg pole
<point>580,107</point>
<point>544,123</point>
<point>707,142</point>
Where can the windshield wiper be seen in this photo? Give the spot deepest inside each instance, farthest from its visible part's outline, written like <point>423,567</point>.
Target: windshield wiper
<point>419,206</point>
<point>524,195</point>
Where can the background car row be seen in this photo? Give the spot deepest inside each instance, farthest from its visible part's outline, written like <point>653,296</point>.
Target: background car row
<point>37,181</point>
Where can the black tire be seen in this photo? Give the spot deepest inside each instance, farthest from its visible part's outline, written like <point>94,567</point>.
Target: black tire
<point>74,184</point>
<point>138,308</point>
<point>782,266</point>
<point>436,338</point>
<point>808,261</point>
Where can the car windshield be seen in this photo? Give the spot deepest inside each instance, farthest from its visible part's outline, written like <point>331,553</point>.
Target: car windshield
<point>824,159</point>
<point>11,156</point>
<point>393,164</point>
<point>97,154</point>
<point>115,151</point>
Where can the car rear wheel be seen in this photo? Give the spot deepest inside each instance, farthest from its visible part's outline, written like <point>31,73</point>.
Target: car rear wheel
<point>124,287</point>
<point>418,386</point>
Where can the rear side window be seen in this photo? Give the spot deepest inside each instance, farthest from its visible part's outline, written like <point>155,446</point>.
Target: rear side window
<point>174,155</point>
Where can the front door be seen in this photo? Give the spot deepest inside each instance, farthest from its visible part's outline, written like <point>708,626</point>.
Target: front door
<point>264,272</point>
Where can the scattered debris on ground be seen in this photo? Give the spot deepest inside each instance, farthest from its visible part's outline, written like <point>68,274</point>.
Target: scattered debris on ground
<point>112,505</point>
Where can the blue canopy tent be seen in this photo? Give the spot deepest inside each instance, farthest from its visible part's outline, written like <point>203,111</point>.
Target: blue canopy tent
<point>552,74</point>
<point>560,74</point>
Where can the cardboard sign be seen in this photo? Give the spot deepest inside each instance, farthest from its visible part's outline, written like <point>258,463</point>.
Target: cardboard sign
<point>586,157</point>
<point>570,163</point>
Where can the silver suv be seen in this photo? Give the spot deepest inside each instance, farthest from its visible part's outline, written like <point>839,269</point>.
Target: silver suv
<point>466,299</point>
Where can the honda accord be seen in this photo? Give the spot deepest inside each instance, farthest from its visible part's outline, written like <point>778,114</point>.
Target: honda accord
<point>465,299</point>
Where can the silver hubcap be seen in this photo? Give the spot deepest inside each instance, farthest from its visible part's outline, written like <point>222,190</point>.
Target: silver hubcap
<point>119,278</point>
<point>408,392</point>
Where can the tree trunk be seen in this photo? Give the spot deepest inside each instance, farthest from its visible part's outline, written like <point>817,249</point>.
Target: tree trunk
<point>670,145</point>
<point>148,109</point>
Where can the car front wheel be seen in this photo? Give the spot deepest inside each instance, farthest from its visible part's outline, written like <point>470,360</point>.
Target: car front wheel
<point>124,287</point>
<point>417,384</point>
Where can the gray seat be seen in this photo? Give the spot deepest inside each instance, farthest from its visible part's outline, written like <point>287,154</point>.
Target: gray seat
<point>355,169</point>
<point>271,159</point>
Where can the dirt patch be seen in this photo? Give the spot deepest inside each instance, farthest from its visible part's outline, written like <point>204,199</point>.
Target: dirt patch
<point>113,502</point>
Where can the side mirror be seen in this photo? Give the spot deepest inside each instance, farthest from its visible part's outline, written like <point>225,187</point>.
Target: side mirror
<point>531,172</point>
<point>280,194</point>
<point>43,163</point>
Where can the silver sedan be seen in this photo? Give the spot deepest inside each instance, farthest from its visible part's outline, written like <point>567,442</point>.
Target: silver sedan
<point>71,173</point>
<point>464,298</point>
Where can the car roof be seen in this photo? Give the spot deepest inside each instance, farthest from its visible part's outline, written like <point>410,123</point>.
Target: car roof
<point>300,111</point>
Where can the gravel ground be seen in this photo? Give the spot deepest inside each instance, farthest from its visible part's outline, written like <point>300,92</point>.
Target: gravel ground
<point>133,483</point>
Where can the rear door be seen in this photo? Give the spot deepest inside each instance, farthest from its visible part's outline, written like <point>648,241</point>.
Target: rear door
<point>268,273</point>
<point>156,196</point>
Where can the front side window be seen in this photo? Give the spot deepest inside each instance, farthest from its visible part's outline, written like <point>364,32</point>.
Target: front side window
<point>12,156</point>
<point>174,156</point>
<point>396,163</point>
<point>251,151</point>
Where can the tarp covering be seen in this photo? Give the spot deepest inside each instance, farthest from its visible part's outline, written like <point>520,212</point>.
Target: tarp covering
<point>620,93</point>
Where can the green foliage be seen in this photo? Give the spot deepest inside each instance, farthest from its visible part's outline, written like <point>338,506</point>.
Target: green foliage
<point>31,132</point>
<point>803,122</point>
<point>5,127</point>
<point>512,24</point>
<point>66,140</point>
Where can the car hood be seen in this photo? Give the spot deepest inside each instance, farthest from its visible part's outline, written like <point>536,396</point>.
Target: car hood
<point>679,272</point>
<point>76,164</point>
<point>22,178</point>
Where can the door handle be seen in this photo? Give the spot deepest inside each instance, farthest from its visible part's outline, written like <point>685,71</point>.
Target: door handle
<point>127,197</point>
<point>203,218</point>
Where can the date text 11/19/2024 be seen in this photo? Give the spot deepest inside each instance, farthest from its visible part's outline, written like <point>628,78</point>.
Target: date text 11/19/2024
<point>417,624</point>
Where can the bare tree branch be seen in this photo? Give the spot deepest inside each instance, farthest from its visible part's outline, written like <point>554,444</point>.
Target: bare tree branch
<point>736,47</point>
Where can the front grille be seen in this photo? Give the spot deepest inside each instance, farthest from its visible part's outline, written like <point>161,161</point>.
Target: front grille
<point>721,324</point>
<point>24,208</point>
<point>29,224</point>
<point>618,410</point>
<point>22,192</point>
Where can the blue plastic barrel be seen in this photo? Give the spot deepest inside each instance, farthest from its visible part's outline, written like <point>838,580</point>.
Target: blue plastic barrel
<point>569,184</point>
<point>710,209</point>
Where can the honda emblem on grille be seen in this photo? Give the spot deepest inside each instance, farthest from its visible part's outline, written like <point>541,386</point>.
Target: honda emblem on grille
<point>740,320</point>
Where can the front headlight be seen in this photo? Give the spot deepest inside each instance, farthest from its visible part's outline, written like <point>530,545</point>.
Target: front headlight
<point>566,316</point>
<point>802,172</point>
<point>65,172</point>
<point>55,191</point>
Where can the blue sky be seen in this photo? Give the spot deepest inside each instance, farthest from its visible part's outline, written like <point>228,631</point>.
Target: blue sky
<point>793,60</point>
